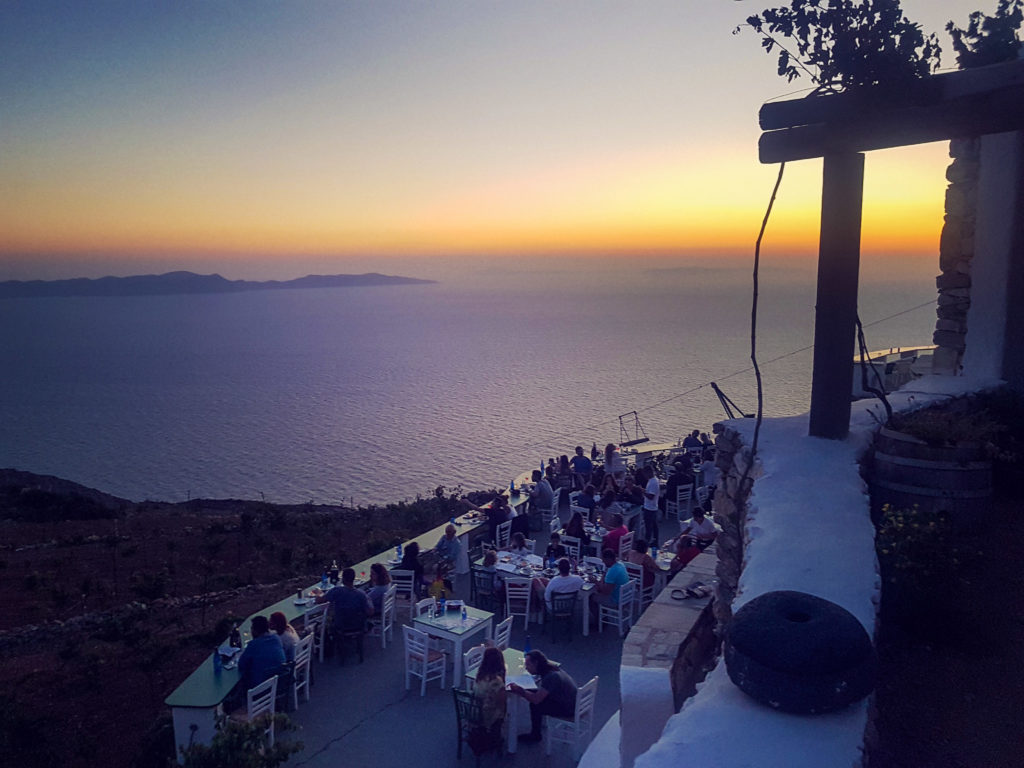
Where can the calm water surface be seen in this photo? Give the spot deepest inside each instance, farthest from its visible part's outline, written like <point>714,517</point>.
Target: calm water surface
<point>378,394</point>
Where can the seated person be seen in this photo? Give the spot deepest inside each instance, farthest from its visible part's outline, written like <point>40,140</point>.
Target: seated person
<point>285,631</point>
<point>542,495</point>
<point>518,545</point>
<point>350,607</point>
<point>693,440</point>
<point>497,512</point>
<point>615,576</point>
<point>440,588</point>
<point>582,468</point>
<point>555,694</point>
<point>695,536</point>
<point>588,498</point>
<point>380,580</point>
<point>448,547</point>
<point>682,476</point>
<point>563,582</point>
<point>616,530</point>
<point>631,493</point>
<point>411,562</point>
<point>555,549</point>
<point>640,556</point>
<point>262,657</point>
<point>490,566</point>
<point>489,690</point>
<point>576,529</point>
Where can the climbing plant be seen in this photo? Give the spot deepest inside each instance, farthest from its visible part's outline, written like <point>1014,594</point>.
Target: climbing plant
<point>840,44</point>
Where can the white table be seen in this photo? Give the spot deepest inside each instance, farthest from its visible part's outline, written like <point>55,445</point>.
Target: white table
<point>450,626</point>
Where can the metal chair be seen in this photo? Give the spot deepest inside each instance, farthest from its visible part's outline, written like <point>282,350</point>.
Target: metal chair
<point>562,612</point>
<point>504,535</point>
<point>578,731</point>
<point>621,614</point>
<point>469,720</point>
<point>421,660</point>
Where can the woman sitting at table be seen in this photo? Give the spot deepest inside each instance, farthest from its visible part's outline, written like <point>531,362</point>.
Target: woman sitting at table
<point>289,637</point>
<point>380,580</point>
<point>411,562</point>
<point>518,545</point>
<point>588,498</point>
<point>490,566</point>
<point>641,557</point>
<point>489,690</point>
<point>697,535</point>
<point>576,528</point>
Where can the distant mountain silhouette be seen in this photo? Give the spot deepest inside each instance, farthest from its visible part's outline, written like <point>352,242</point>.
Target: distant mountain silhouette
<point>184,282</point>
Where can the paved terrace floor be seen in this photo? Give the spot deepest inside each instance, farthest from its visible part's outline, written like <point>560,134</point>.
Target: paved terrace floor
<point>362,712</point>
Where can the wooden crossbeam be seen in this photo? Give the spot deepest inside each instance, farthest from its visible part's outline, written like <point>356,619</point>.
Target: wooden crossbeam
<point>941,107</point>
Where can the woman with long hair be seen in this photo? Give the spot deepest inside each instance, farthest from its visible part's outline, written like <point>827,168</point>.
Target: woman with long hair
<point>380,580</point>
<point>489,689</point>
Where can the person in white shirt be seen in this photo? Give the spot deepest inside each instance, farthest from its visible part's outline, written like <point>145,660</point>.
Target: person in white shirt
<point>651,492</point>
<point>695,536</point>
<point>709,476</point>
<point>563,582</point>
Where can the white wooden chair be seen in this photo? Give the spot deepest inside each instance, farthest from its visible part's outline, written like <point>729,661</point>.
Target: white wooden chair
<point>504,535</point>
<point>555,525</point>
<point>405,590</point>
<point>531,545</point>
<point>644,595</point>
<point>682,507</point>
<point>625,545</point>
<point>546,515</point>
<point>572,546</point>
<point>578,731</point>
<point>383,624</point>
<point>620,615</point>
<point>260,701</point>
<point>503,634</point>
<point>421,660</point>
<point>517,598</point>
<point>315,623</point>
<point>470,661</point>
<point>300,673</point>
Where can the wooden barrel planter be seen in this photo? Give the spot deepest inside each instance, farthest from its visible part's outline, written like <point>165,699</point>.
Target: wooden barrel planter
<point>955,479</point>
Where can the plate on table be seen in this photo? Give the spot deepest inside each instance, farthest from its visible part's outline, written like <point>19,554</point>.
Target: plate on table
<point>394,561</point>
<point>303,600</point>
<point>550,572</point>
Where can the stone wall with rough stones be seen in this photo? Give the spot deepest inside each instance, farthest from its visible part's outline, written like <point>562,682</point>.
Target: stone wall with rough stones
<point>956,252</point>
<point>732,458</point>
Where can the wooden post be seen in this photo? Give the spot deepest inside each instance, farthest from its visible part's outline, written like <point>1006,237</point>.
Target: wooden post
<point>835,312</point>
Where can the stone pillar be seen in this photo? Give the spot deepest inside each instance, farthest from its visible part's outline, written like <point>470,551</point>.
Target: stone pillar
<point>956,252</point>
<point>732,457</point>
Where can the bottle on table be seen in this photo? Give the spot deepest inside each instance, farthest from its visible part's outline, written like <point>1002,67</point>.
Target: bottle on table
<point>323,580</point>
<point>464,614</point>
<point>527,647</point>
<point>218,664</point>
<point>440,605</point>
<point>235,638</point>
<point>398,550</point>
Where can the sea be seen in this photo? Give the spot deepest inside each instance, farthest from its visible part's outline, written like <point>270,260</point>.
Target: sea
<point>378,394</point>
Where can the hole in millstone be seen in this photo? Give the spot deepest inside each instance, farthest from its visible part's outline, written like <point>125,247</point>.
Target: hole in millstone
<point>797,617</point>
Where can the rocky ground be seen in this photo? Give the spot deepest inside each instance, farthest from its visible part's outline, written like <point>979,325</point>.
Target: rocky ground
<point>110,604</point>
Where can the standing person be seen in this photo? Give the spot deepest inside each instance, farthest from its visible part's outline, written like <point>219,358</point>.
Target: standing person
<point>613,463</point>
<point>489,690</point>
<point>555,694</point>
<point>262,657</point>
<point>651,492</point>
<point>285,631</point>
<point>582,468</point>
<point>564,477</point>
<point>709,475</point>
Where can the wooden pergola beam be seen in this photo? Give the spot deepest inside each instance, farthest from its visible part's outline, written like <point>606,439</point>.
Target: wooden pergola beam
<point>942,107</point>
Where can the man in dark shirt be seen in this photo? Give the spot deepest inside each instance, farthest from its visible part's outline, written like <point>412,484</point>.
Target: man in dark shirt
<point>555,694</point>
<point>582,468</point>
<point>263,656</point>
<point>350,606</point>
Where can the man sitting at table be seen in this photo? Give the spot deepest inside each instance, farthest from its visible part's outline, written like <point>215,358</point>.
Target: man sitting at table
<point>615,576</point>
<point>695,536</point>
<point>542,494</point>
<point>563,582</point>
<point>555,694</point>
<point>448,548</point>
<point>262,657</point>
<point>350,607</point>
<point>616,530</point>
<point>631,493</point>
<point>683,476</point>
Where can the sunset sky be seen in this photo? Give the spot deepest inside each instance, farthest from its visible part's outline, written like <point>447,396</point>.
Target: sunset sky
<point>275,138</point>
